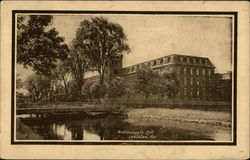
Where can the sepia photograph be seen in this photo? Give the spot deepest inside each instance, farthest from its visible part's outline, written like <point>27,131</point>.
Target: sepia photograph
<point>124,77</point>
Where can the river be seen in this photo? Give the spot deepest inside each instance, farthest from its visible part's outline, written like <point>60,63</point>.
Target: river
<point>107,127</point>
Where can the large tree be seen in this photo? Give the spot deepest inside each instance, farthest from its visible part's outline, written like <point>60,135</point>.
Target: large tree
<point>38,45</point>
<point>100,40</point>
<point>78,64</point>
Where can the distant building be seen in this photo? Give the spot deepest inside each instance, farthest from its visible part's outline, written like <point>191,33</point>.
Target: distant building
<point>223,86</point>
<point>197,78</point>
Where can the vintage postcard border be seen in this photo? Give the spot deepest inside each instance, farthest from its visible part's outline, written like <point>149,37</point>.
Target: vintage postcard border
<point>234,99</point>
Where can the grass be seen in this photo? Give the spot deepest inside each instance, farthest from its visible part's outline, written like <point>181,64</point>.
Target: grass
<point>186,115</point>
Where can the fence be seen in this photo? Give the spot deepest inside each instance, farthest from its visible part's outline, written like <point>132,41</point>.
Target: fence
<point>137,103</point>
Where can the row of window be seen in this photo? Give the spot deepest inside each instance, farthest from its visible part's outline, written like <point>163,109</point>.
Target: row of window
<point>151,63</point>
<point>192,60</point>
<point>166,60</point>
<point>199,81</point>
<point>197,71</point>
<point>197,92</point>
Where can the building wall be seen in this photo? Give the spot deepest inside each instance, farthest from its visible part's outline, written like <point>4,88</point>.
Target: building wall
<point>197,78</point>
<point>196,74</point>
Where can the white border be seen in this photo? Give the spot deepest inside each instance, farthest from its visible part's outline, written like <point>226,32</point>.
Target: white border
<point>240,151</point>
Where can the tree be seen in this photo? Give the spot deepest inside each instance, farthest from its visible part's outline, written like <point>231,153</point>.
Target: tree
<point>62,77</point>
<point>78,64</point>
<point>19,83</point>
<point>86,90</point>
<point>38,46</point>
<point>98,91</point>
<point>145,80</point>
<point>40,87</point>
<point>149,82</point>
<point>167,84</point>
<point>116,88</point>
<point>100,40</point>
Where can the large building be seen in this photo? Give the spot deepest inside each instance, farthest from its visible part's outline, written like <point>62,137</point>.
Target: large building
<point>197,78</point>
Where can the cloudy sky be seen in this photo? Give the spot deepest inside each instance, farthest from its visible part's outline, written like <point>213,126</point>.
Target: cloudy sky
<point>153,36</point>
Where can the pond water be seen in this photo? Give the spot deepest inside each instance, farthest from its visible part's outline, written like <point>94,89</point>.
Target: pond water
<point>119,128</point>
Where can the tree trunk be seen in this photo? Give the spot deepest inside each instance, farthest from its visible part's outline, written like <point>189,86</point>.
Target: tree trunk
<point>65,87</point>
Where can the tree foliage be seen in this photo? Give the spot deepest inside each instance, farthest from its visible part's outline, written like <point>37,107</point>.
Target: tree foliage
<point>167,83</point>
<point>145,80</point>
<point>78,64</point>
<point>38,46</point>
<point>19,83</point>
<point>150,82</point>
<point>62,77</point>
<point>98,91</point>
<point>100,40</point>
<point>38,86</point>
<point>86,90</point>
<point>116,87</point>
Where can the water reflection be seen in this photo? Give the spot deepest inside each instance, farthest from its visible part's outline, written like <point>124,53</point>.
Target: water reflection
<point>120,128</point>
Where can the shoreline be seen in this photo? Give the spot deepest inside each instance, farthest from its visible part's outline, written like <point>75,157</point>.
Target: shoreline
<point>182,115</point>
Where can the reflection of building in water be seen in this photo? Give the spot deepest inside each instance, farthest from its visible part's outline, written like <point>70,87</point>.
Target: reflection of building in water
<point>90,136</point>
<point>73,132</point>
<point>62,131</point>
<point>197,78</point>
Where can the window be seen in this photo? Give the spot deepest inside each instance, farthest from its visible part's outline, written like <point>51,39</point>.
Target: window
<point>197,71</point>
<point>198,81</point>
<point>179,70</point>
<point>185,70</point>
<point>191,91</point>
<point>203,61</point>
<point>187,59</point>
<point>161,61</point>
<point>181,59</point>
<point>209,72</point>
<point>132,69</point>
<point>198,92</point>
<point>200,61</point>
<point>155,62</point>
<point>185,81</point>
<point>171,58</point>
<point>167,59</point>
<point>136,67</point>
<point>191,81</point>
<point>203,72</point>
<point>210,81</point>
<point>191,60</point>
<point>184,59</point>
<point>185,91</point>
<point>191,71</point>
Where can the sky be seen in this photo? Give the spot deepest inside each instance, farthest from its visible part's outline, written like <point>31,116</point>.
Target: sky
<point>154,36</point>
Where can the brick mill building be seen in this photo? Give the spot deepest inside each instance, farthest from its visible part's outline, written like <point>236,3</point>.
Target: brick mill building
<point>198,81</point>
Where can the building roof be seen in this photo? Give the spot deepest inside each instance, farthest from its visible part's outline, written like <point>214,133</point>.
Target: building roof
<point>179,59</point>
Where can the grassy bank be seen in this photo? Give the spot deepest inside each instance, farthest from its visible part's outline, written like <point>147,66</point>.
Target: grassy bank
<point>23,132</point>
<point>185,115</point>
